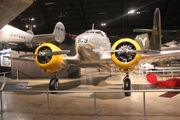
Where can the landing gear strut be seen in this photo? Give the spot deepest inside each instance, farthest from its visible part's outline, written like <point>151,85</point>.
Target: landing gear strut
<point>54,84</point>
<point>127,84</point>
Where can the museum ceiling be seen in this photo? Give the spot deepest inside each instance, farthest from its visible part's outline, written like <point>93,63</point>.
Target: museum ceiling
<point>78,15</point>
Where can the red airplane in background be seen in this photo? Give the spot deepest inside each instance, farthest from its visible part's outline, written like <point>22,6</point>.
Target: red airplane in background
<point>172,82</point>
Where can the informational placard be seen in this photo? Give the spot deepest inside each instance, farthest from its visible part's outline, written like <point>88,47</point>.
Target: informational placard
<point>5,62</point>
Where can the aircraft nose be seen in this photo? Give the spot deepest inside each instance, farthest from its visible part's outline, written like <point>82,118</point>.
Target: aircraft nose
<point>82,41</point>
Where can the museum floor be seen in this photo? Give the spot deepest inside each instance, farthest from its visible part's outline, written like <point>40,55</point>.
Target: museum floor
<point>80,106</point>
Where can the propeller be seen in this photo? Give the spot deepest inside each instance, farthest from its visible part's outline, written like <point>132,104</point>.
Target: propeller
<point>125,54</point>
<point>45,54</point>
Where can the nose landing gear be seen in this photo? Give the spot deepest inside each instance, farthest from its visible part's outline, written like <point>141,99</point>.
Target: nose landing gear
<point>127,84</point>
<point>54,84</point>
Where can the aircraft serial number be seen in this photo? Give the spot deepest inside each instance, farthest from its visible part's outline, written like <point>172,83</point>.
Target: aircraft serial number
<point>59,28</point>
<point>18,36</point>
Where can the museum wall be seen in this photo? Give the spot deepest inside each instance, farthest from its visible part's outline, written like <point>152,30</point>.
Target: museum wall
<point>28,69</point>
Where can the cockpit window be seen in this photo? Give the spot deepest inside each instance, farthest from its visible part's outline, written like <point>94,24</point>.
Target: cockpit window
<point>95,31</point>
<point>89,31</point>
<point>100,33</point>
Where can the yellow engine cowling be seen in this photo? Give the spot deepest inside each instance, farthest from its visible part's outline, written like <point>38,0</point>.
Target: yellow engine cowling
<point>127,61</point>
<point>50,63</point>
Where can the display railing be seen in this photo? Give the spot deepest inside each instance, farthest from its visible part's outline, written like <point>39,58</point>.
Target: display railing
<point>4,74</point>
<point>18,72</point>
<point>86,91</point>
<point>163,71</point>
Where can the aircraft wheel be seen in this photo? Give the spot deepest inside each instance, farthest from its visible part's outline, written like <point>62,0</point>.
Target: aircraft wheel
<point>54,84</point>
<point>127,86</point>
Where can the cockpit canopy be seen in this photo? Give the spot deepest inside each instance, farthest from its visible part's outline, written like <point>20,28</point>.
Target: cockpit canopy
<point>97,32</point>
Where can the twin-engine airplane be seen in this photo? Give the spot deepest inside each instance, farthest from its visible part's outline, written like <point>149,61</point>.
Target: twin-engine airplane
<point>93,49</point>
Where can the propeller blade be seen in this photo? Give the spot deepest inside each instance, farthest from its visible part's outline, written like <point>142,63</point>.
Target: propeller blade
<point>47,53</point>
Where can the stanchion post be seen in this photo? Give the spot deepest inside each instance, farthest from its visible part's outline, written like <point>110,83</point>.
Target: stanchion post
<point>4,75</point>
<point>144,104</point>
<point>1,102</point>
<point>17,74</point>
<point>48,102</point>
<point>2,87</point>
<point>95,114</point>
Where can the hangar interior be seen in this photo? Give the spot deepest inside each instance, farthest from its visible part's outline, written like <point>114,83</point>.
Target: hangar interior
<point>78,16</point>
<point>112,17</point>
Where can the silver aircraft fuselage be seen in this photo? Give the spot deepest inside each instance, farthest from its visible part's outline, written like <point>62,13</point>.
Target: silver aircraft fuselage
<point>86,42</point>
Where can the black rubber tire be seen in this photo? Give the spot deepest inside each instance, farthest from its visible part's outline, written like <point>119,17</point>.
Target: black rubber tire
<point>54,84</point>
<point>127,86</point>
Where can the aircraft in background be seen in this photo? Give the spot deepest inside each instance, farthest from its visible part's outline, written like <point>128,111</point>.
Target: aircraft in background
<point>9,10</point>
<point>173,45</point>
<point>142,38</point>
<point>143,41</point>
<point>10,34</point>
<point>172,82</point>
<point>93,49</point>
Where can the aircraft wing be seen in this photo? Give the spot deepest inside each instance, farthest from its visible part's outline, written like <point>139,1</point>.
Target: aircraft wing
<point>161,56</point>
<point>18,58</point>
<point>9,9</point>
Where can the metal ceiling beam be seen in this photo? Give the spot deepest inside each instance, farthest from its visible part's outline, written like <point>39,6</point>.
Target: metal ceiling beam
<point>167,11</point>
<point>82,16</point>
<point>42,15</point>
<point>123,11</point>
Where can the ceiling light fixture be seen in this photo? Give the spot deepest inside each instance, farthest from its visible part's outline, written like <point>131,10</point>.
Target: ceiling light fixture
<point>138,12</point>
<point>131,12</point>
<point>49,3</point>
<point>103,24</point>
<point>102,13</point>
<point>32,19</point>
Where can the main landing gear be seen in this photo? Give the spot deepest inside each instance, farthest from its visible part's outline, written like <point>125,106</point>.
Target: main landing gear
<point>54,84</point>
<point>127,84</point>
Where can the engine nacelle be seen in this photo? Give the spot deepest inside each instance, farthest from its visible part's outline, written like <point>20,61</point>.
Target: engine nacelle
<point>124,60</point>
<point>49,63</point>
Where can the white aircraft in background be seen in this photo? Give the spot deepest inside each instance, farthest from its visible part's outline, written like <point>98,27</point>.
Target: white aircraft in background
<point>173,45</point>
<point>9,10</point>
<point>10,34</point>
<point>93,49</point>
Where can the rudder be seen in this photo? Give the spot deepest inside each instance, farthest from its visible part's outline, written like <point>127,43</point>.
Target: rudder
<point>59,32</point>
<point>155,41</point>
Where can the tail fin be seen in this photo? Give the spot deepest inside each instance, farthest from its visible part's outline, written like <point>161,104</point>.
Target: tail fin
<point>143,41</point>
<point>155,42</point>
<point>59,32</point>
<point>30,32</point>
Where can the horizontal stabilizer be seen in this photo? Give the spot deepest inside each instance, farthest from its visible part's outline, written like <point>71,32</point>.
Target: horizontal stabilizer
<point>150,30</point>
